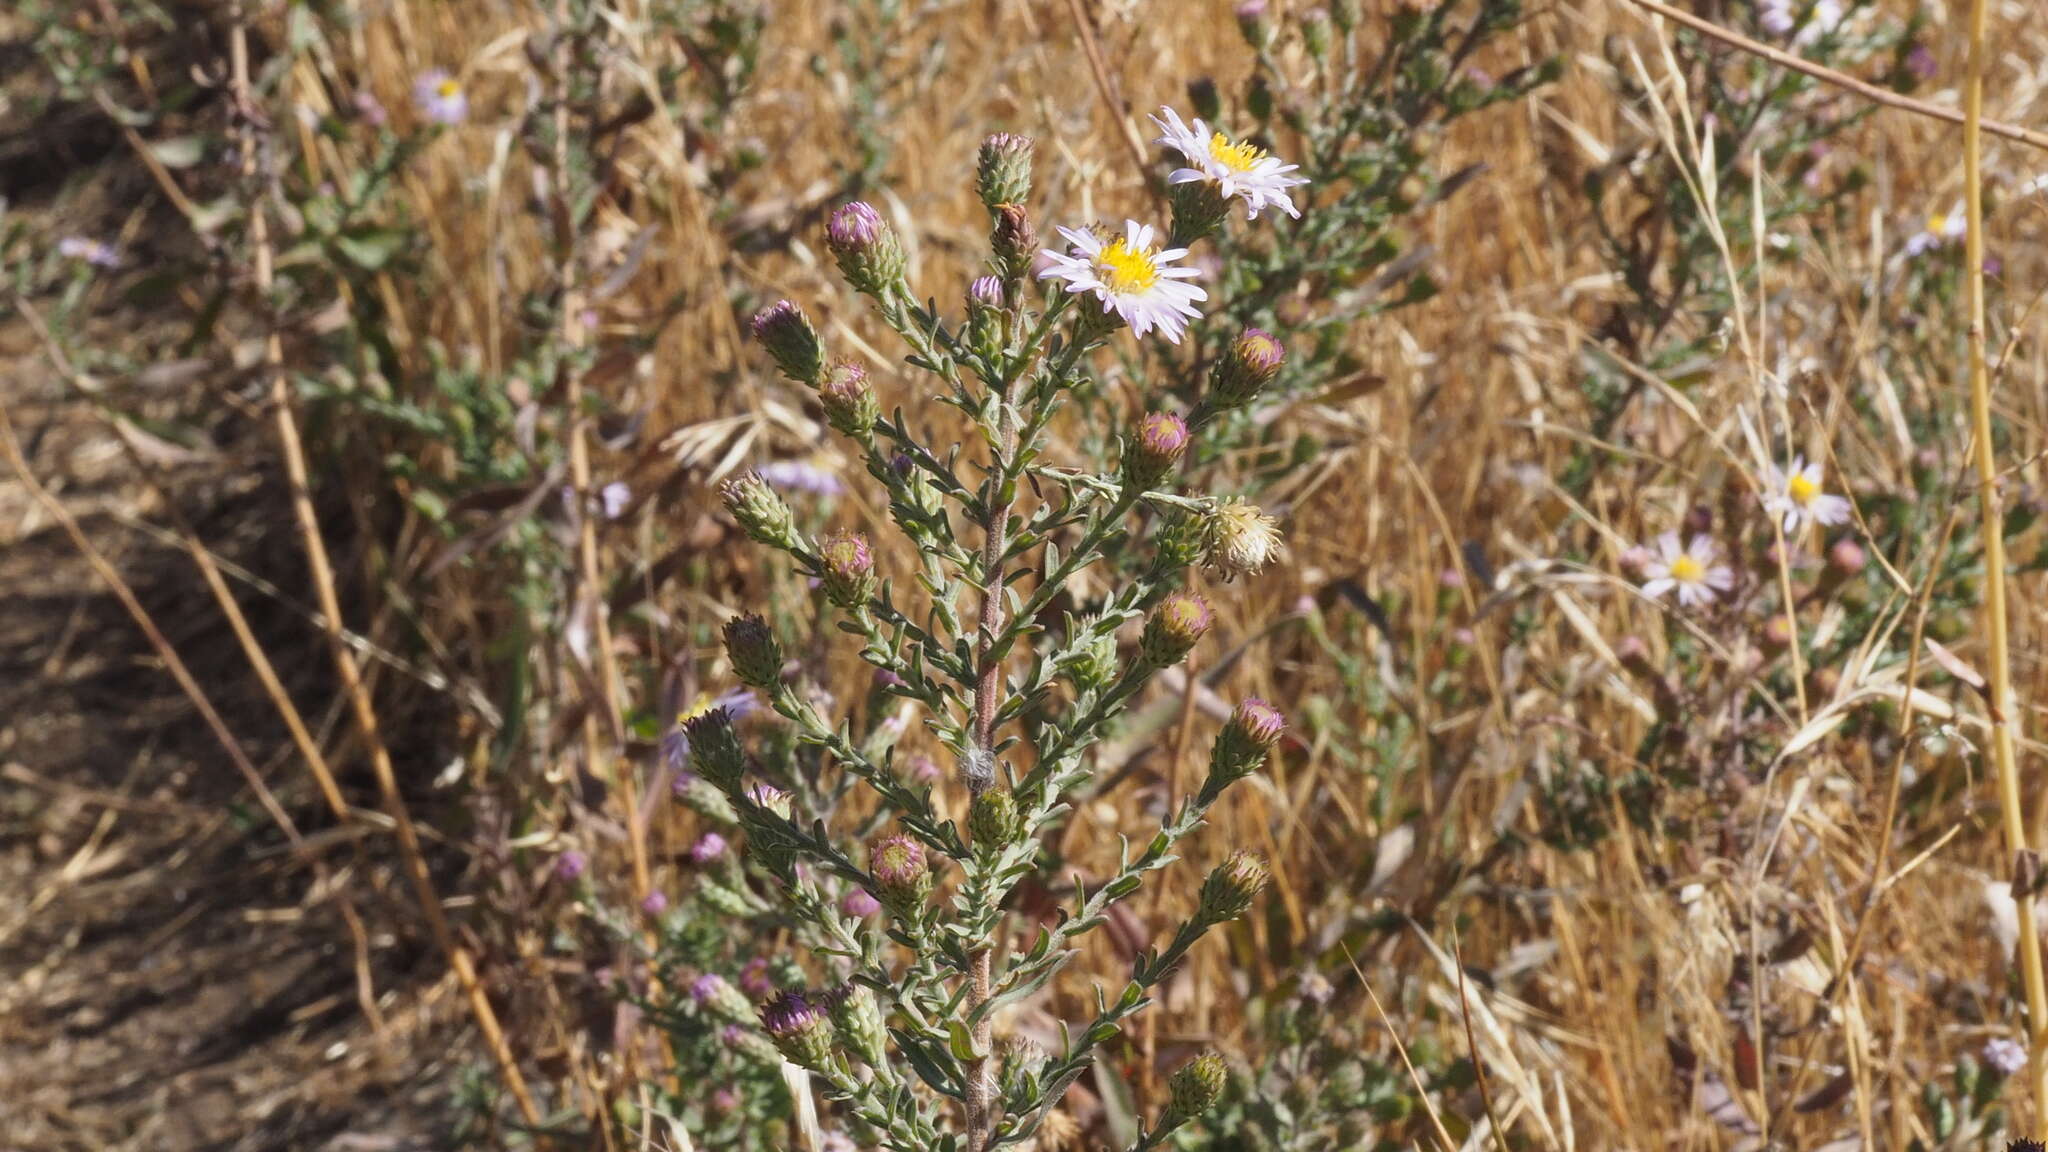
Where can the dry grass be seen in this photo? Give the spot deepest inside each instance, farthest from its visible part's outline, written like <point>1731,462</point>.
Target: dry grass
<point>1609,972</point>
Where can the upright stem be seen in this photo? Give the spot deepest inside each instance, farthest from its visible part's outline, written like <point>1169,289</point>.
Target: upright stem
<point>1992,528</point>
<point>988,686</point>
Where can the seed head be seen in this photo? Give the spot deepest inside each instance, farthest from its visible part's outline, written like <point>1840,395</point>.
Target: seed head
<point>849,399</point>
<point>848,569</point>
<point>784,330</point>
<point>1181,620</point>
<point>1002,170</point>
<point>759,509</point>
<point>756,657</point>
<point>1230,887</point>
<point>1255,357</point>
<point>799,1030</point>
<point>1239,539</point>
<point>1154,447</point>
<point>869,255</point>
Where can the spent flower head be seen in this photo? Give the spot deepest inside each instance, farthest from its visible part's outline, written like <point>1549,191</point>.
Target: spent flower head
<point>1133,278</point>
<point>1239,539</point>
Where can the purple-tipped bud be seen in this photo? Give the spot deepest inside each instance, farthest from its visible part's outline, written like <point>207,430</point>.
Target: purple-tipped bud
<point>985,292</point>
<point>1255,357</point>
<point>1002,170</point>
<point>1154,448</point>
<point>570,865</point>
<point>1195,1088</point>
<point>847,569</point>
<point>756,657</point>
<point>869,255</point>
<point>1014,241</point>
<point>1845,558</point>
<point>859,903</point>
<point>1315,33</point>
<point>654,903</point>
<point>1250,733</point>
<point>784,330</point>
<point>1252,25</point>
<point>849,399</point>
<point>715,994</point>
<point>759,510</point>
<point>1180,621</point>
<point>1230,887</point>
<point>799,1030</point>
<point>902,876</point>
<point>708,847</point>
<point>715,748</point>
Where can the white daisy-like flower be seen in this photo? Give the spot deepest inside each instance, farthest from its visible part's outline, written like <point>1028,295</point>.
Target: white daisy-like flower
<point>1796,495</point>
<point>1237,168</point>
<point>1943,228</point>
<point>1689,570</point>
<point>1131,277</point>
<point>440,97</point>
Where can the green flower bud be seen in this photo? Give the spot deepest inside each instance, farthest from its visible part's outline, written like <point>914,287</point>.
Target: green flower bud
<point>1199,209</point>
<point>849,400</point>
<point>1315,33</point>
<point>1254,359</point>
<point>1254,727</point>
<point>1195,1088</point>
<point>756,657</point>
<point>848,569</point>
<point>1230,887</point>
<point>859,1019</point>
<point>869,255</point>
<point>715,748</point>
<point>1202,94</point>
<point>1095,666</point>
<point>784,330</point>
<point>1181,620</point>
<point>799,1030</point>
<point>705,799</point>
<point>716,995</point>
<point>993,822</point>
<point>1014,241</point>
<point>1002,170</point>
<point>759,510</point>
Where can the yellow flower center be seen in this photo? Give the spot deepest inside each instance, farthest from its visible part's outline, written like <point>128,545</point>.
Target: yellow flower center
<point>1126,269</point>
<point>1687,570</point>
<point>1937,223</point>
<point>701,706</point>
<point>1801,490</point>
<point>448,89</point>
<point>1237,157</point>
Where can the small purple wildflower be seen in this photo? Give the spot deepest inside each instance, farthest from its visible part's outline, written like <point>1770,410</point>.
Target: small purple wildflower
<point>655,904</point>
<point>801,476</point>
<point>708,847</point>
<point>859,904</point>
<point>613,499</point>
<point>571,864</point>
<point>97,253</point>
<point>440,97</point>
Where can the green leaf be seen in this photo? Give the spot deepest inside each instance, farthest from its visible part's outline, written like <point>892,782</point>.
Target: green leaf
<point>371,248</point>
<point>961,1043</point>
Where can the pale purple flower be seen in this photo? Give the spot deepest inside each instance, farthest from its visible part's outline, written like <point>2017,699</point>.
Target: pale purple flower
<point>97,253</point>
<point>1921,63</point>
<point>570,865</point>
<point>755,980</point>
<point>440,97</point>
<point>655,904</point>
<point>1138,282</point>
<point>1237,168</point>
<point>2004,1056</point>
<point>1942,230</point>
<point>1688,569</point>
<point>708,847</point>
<point>368,108</point>
<point>801,476</point>
<point>613,498</point>
<point>859,904</point>
<point>1796,496</point>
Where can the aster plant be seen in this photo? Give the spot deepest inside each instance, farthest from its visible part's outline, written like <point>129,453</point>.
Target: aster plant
<point>904,905</point>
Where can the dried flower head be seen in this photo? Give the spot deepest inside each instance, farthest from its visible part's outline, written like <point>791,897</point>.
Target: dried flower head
<point>1136,281</point>
<point>1239,539</point>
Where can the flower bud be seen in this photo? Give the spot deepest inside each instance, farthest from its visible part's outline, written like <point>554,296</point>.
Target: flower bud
<point>799,1030</point>
<point>1002,170</point>
<point>756,657</point>
<point>849,400</point>
<point>985,292</point>
<point>1207,103</point>
<point>1250,733</point>
<point>859,1019</point>
<point>848,569</point>
<point>869,255</point>
<point>1095,666</point>
<point>1154,447</point>
<point>1252,24</point>
<point>1345,13</point>
<point>993,822</point>
<point>1014,241</point>
<point>716,995</point>
<point>1194,1089</point>
<point>1174,627</point>
<point>902,878</point>
<point>759,509</point>
<point>715,749</point>
<point>1229,889</point>
<point>1315,33</point>
<point>1252,362</point>
<point>1845,558</point>
<point>1238,539</point>
<point>784,330</point>
<point>859,903</point>
<point>1199,208</point>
